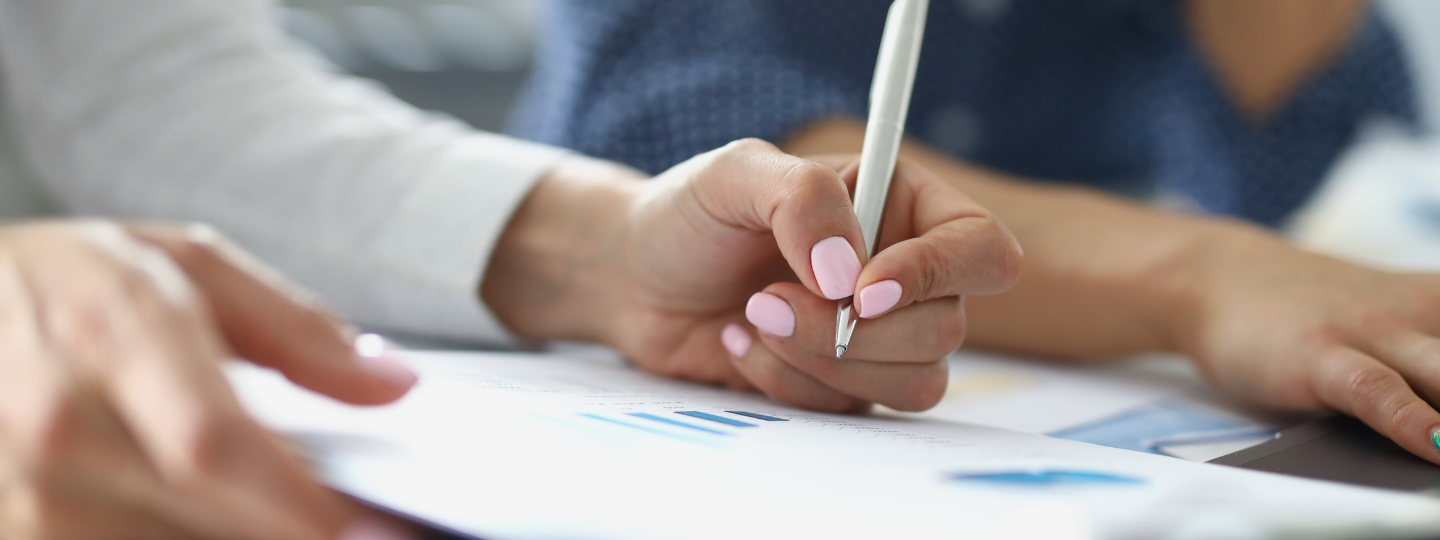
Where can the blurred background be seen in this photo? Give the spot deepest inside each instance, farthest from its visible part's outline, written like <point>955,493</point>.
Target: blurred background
<point>467,58</point>
<point>470,58</point>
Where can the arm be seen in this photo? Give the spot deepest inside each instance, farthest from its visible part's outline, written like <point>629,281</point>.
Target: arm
<point>197,110</point>
<point>1261,319</point>
<point>1128,260</point>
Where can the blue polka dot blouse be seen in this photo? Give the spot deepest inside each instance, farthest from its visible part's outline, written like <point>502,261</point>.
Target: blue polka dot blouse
<point>1109,93</point>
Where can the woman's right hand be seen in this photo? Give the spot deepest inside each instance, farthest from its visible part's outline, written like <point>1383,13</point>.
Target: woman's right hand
<point>115,418</point>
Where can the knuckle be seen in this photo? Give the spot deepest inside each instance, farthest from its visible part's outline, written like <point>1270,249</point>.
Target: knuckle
<point>1409,417</point>
<point>934,272</point>
<point>807,181</point>
<point>949,331</point>
<point>747,145</point>
<point>926,392</point>
<point>1371,385</point>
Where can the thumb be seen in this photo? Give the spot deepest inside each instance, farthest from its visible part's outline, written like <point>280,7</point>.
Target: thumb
<point>272,323</point>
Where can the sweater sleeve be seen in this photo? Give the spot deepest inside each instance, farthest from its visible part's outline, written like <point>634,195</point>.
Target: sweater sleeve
<point>200,110</point>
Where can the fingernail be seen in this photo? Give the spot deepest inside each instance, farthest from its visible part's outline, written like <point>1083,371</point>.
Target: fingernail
<point>735,339</point>
<point>389,369</point>
<point>373,345</point>
<point>771,314</point>
<point>1435,438</point>
<point>375,529</point>
<point>836,267</point>
<point>376,356</point>
<point>879,297</point>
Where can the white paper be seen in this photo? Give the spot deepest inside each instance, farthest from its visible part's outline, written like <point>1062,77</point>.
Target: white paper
<point>530,446</point>
<point>1034,397</point>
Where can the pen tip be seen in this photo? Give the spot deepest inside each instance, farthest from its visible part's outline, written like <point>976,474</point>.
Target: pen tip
<point>840,351</point>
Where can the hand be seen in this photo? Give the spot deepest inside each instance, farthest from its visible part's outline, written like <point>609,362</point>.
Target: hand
<point>1105,278</point>
<point>115,419</point>
<point>1303,331</point>
<point>754,245</point>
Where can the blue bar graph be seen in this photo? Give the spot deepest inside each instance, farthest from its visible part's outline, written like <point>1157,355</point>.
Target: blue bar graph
<point>1048,478</point>
<point>758,416</point>
<point>1145,428</point>
<point>664,420</point>
<point>713,418</point>
<point>632,426</point>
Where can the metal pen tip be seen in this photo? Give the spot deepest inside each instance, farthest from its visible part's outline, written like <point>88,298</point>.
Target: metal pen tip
<point>844,328</point>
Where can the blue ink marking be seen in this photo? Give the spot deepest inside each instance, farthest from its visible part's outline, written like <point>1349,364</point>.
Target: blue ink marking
<point>758,416</point>
<point>713,418</point>
<point>662,419</point>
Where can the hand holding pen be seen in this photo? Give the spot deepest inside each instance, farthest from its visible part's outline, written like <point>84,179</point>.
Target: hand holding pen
<point>661,270</point>
<point>666,271</point>
<point>935,246</point>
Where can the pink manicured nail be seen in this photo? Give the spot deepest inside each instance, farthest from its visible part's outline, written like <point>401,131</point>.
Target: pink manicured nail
<point>836,267</point>
<point>389,369</point>
<point>376,355</point>
<point>375,529</point>
<point>771,314</point>
<point>735,339</point>
<point>879,297</point>
<point>372,345</point>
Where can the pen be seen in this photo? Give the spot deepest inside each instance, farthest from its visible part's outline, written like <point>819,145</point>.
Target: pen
<point>889,104</point>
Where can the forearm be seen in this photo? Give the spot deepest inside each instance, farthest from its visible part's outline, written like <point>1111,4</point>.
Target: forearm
<point>1102,276</point>
<point>197,110</point>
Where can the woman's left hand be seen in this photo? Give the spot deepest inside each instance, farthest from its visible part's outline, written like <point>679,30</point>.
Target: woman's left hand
<point>726,269</point>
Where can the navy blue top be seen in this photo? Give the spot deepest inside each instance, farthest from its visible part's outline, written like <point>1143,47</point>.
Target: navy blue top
<point>1109,93</point>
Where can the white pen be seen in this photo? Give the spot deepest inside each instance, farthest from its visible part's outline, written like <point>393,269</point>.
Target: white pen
<point>889,104</point>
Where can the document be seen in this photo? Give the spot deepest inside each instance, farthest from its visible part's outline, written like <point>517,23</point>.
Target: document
<point>520,446</point>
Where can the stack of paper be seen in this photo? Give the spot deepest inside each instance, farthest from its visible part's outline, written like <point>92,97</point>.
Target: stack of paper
<point>533,446</point>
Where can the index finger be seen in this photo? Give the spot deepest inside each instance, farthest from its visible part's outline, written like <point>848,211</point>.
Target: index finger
<point>273,323</point>
<point>1361,386</point>
<point>942,244</point>
<point>752,185</point>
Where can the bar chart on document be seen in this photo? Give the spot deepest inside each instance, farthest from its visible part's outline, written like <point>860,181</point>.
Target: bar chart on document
<point>617,407</point>
<point>1156,405</point>
<point>540,446</point>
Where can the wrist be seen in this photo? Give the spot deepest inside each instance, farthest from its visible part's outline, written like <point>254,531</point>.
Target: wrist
<point>553,274</point>
<point>1198,271</point>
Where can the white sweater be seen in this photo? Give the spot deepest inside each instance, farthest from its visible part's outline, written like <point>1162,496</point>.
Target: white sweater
<point>200,110</point>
